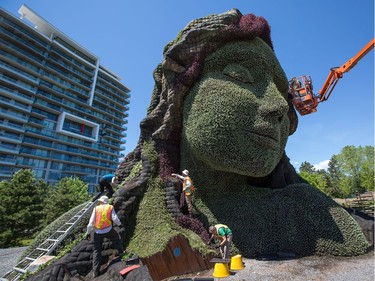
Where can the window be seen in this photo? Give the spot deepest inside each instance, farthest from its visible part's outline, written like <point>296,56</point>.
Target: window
<point>54,176</point>
<point>39,174</point>
<point>77,127</point>
<point>55,166</point>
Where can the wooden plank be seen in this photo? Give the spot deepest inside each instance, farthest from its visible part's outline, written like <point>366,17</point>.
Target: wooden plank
<point>217,260</point>
<point>176,259</point>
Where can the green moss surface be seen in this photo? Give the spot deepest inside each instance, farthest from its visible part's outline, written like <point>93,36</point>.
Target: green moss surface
<point>155,226</point>
<point>235,117</point>
<point>298,218</point>
<point>236,128</point>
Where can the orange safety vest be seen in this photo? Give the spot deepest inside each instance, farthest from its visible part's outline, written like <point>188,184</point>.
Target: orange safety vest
<point>103,216</point>
<point>192,187</point>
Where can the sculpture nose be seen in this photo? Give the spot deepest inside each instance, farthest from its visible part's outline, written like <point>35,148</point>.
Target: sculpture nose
<point>274,108</point>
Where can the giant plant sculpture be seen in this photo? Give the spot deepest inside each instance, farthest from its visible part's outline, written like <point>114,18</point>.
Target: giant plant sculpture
<point>220,109</point>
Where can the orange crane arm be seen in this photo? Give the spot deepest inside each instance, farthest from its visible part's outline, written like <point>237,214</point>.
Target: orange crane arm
<point>337,72</point>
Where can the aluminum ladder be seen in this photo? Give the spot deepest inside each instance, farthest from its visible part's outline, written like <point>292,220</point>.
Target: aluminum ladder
<point>48,245</point>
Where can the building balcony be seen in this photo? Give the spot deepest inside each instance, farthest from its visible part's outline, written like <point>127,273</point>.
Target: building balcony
<point>7,159</point>
<point>10,93</point>
<point>11,138</point>
<point>12,115</point>
<point>17,83</point>
<point>12,126</point>
<point>9,148</point>
<point>7,173</point>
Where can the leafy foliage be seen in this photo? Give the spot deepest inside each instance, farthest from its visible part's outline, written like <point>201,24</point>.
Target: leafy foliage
<point>298,218</point>
<point>349,172</point>
<point>21,207</point>
<point>317,179</point>
<point>152,156</point>
<point>152,235</point>
<point>194,225</point>
<point>154,226</point>
<point>358,164</point>
<point>307,167</point>
<point>225,123</point>
<point>221,112</point>
<point>133,173</point>
<point>335,187</point>
<point>68,193</point>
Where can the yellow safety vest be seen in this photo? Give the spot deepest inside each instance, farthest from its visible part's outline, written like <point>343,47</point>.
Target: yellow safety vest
<point>103,216</point>
<point>188,191</point>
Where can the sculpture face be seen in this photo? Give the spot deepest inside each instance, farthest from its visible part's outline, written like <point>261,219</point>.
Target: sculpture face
<point>235,117</point>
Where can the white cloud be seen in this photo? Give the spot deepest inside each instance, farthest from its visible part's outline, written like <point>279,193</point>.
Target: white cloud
<point>322,165</point>
<point>295,165</point>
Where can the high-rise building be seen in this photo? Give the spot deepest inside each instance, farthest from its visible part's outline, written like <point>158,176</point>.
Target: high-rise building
<point>62,113</point>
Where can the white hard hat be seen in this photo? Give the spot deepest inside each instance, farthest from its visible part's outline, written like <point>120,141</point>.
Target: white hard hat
<point>185,172</point>
<point>103,199</point>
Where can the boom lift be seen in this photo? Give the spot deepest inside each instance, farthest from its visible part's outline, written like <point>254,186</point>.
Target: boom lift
<point>301,88</point>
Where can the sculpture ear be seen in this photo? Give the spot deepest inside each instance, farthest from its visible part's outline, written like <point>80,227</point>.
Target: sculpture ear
<point>293,118</point>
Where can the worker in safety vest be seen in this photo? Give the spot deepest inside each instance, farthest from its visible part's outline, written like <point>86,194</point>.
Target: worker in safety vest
<point>101,220</point>
<point>225,236</point>
<point>187,188</point>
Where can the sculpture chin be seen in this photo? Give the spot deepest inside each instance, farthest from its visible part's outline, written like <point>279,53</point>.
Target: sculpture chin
<point>250,165</point>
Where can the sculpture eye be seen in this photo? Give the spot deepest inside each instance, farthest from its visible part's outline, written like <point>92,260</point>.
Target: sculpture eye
<point>238,72</point>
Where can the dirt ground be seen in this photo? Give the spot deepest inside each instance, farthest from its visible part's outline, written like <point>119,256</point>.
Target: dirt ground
<point>314,268</point>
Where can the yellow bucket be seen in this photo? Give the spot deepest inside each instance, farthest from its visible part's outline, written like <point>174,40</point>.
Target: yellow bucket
<point>221,270</point>
<point>236,263</point>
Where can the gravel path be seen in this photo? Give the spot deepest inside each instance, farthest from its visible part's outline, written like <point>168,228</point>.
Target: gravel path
<point>309,269</point>
<point>9,258</point>
<point>314,268</point>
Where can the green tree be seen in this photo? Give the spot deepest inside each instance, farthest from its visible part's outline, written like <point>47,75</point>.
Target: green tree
<point>21,207</point>
<point>350,163</point>
<point>307,168</point>
<point>367,170</point>
<point>358,164</point>
<point>334,177</point>
<point>67,193</point>
<point>316,179</point>
<point>346,187</point>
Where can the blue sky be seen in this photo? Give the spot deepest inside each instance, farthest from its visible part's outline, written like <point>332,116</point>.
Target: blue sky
<point>309,37</point>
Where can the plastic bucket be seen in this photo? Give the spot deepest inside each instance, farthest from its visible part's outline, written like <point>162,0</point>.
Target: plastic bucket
<point>221,270</point>
<point>236,263</point>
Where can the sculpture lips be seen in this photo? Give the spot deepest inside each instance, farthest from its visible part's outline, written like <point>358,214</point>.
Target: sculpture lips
<point>264,139</point>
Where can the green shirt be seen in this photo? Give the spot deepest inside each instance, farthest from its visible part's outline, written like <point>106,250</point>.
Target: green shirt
<point>224,231</point>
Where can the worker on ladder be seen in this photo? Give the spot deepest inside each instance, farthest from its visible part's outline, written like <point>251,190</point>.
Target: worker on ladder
<point>187,189</point>
<point>102,218</point>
